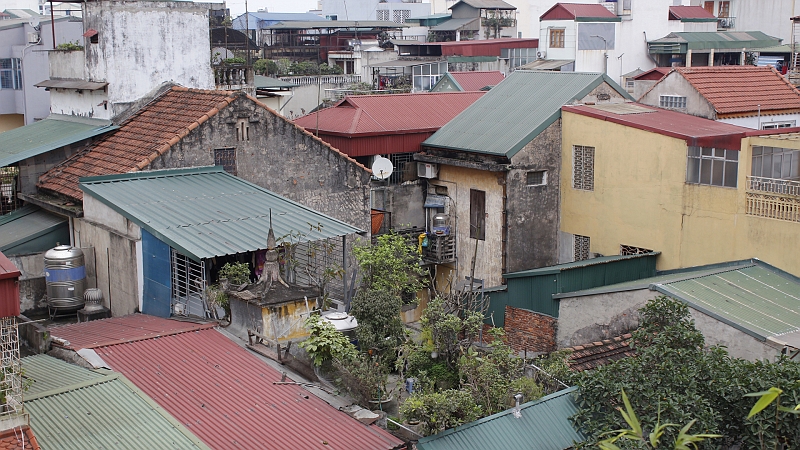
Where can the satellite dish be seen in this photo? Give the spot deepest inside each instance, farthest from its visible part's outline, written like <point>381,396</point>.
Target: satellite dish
<point>382,168</point>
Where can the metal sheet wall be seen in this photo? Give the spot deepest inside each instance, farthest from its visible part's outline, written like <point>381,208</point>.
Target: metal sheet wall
<point>377,145</point>
<point>156,268</point>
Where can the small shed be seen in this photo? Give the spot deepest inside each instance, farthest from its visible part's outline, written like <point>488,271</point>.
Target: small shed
<point>533,290</point>
<point>9,288</point>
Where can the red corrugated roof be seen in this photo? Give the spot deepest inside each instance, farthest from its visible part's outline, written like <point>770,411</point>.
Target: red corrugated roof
<point>365,115</point>
<point>474,81</point>
<point>118,330</point>
<point>653,74</point>
<point>689,12</point>
<point>7,268</point>
<point>226,396</point>
<point>696,131</point>
<point>572,11</point>
<point>739,90</point>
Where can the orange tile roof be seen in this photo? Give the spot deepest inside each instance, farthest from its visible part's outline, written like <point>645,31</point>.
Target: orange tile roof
<point>739,90</point>
<point>596,354</point>
<point>147,135</point>
<point>18,439</point>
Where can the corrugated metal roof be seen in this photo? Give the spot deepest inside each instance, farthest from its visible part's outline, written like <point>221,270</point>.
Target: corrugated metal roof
<point>575,265</point>
<point>262,82</point>
<point>696,131</point>
<point>515,111</point>
<point>545,425</point>
<point>455,24</point>
<point>97,410</point>
<point>363,115</point>
<point>573,11</point>
<point>205,212</point>
<point>119,330</point>
<point>690,14</point>
<point>7,269</point>
<point>49,134</point>
<point>31,229</point>
<point>759,300</point>
<point>226,396</point>
<point>718,40</point>
<point>486,4</point>
<point>474,81</point>
<point>546,64</point>
<point>358,24</point>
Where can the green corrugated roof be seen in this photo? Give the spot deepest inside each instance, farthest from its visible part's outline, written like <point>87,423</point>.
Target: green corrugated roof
<point>759,300</point>
<point>31,229</point>
<point>262,82</point>
<point>48,134</point>
<point>97,409</point>
<point>205,212</point>
<point>544,425</point>
<point>515,111</point>
<point>575,264</point>
<point>707,40</point>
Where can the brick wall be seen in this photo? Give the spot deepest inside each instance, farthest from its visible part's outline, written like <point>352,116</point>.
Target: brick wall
<point>530,331</point>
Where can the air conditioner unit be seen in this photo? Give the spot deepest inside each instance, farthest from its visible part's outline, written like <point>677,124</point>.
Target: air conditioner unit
<point>33,38</point>
<point>541,55</point>
<point>427,170</point>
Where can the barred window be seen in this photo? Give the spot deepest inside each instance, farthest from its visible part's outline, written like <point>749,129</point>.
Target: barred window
<point>382,14</point>
<point>226,157</point>
<point>672,101</point>
<point>583,167</point>
<point>581,247</point>
<point>10,73</point>
<point>536,178</point>
<point>631,250</point>
<point>401,15</point>
<point>712,166</point>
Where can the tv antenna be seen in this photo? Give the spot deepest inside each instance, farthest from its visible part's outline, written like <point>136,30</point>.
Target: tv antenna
<point>382,168</point>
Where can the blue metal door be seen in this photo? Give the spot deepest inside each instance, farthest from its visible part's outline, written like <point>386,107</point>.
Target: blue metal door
<point>156,267</point>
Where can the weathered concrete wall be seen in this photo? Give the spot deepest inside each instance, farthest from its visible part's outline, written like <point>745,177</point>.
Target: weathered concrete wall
<point>675,84</point>
<point>30,169</point>
<point>528,331</point>
<point>739,343</point>
<point>281,157</point>
<point>403,201</point>
<point>592,318</point>
<point>532,211</point>
<point>141,44</point>
<point>32,286</point>
<point>67,64</point>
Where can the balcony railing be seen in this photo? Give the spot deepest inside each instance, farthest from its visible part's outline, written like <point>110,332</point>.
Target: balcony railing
<point>773,198</point>
<point>773,185</point>
<point>441,249</point>
<point>234,78</point>
<point>724,23</point>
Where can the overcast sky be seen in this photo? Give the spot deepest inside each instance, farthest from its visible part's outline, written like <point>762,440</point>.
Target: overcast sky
<point>237,6</point>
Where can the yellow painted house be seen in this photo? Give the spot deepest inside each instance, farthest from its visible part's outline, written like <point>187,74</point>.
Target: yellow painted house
<point>637,178</point>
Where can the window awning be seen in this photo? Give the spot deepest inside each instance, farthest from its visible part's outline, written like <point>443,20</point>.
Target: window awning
<point>72,84</point>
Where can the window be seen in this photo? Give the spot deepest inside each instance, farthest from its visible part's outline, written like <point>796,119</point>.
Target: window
<point>631,250</point>
<point>536,178</point>
<point>400,15</point>
<point>405,169</point>
<point>776,125</point>
<point>477,214</point>
<point>581,247</point>
<point>94,39</point>
<point>709,6</point>
<point>10,73</point>
<point>382,14</point>
<point>226,157</point>
<point>724,9</point>
<point>777,163</point>
<point>332,17</point>
<point>556,38</point>
<point>426,75</point>
<point>629,84</point>
<point>712,166</point>
<point>518,56</point>
<point>242,130</point>
<point>672,101</point>
<point>583,167</point>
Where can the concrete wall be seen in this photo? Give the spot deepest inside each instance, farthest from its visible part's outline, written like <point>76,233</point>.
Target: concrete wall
<point>403,201</point>
<point>675,84</point>
<point>756,122</point>
<point>739,343</point>
<point>32,285</point>
<point>11,121</point>
<point>67,64</point>
<point>281,157</point>
<point>31,168</point>
<point>570,39</point>
<point>142,44</point>
<point>771,17</point>
<point>641,198</point>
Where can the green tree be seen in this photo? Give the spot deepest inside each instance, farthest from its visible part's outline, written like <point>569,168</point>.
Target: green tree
<point>391,265</point>
<point>379,323</point>
<point>438,411</point>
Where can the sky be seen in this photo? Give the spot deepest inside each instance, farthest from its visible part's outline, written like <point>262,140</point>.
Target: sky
<point>237,6</point>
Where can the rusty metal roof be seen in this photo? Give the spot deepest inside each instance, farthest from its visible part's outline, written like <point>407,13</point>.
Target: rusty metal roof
<point>696,131</point>
<point>575,11</point>
<point>225,395</point>
<point>118,330</point>
<point>690,14</point>
<point>474,81</point>
<point>365,115</point>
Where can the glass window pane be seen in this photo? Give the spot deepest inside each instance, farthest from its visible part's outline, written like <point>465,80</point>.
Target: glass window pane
<point>694,151</point>
<point>757,150</point>
<point>731,169</point>
<point>717,168</point>
<point>705,171</point>
<point>786,168</point>
<point>426,69</point>
<point>756,172</point>
<point>719,152</point>
<point>767,150</point>
<point>693,170</point>
<point>732,155</point>
<point>795,172</point>
<point>706,151</point>
<point>766,166</point>
<point>776,165</point>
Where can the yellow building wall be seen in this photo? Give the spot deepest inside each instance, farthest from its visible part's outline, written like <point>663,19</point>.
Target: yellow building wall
<point>488,264</point>
<point>11,121</point>
<point>286,320</point>
<point>641,199</point>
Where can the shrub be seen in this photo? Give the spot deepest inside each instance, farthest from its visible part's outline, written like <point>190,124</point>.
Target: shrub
<point>69,46</point>
<point>379,324</point>
<point>438,411</point>
<point>324,342</point>
<point>236,273</point>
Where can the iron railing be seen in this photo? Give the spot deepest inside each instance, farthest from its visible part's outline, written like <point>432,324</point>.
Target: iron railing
<point>773,185</point>
<point>724,23</point>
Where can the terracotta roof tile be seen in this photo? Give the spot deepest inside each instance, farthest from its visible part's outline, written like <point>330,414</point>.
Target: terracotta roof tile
<point>18,439</point>
<point>739,90</point>
<point>589,356</point>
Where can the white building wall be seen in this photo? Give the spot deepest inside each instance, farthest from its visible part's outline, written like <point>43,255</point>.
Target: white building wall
<point>757,123</point>
<point>143,44</point>
<point>366,9</point>
<point>770,16</point>
<point>570,39</point>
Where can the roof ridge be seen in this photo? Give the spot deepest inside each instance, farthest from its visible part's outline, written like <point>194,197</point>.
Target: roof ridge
<point>656,83</point>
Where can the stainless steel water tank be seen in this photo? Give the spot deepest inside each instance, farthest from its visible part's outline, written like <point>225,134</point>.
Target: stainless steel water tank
<point>65,274</point>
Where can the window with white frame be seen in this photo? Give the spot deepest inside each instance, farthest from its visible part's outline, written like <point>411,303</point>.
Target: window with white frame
<point>712,166</point>
<point>536,178</point>
<point>10,73</point>
<point>426,75</point>
<point>672,101</point>
<point>583,167</point>
<point>777,163</point>
<point>582,244</point>
<point>776,125</point>
<point>518,56</point>
<point>382,14</point>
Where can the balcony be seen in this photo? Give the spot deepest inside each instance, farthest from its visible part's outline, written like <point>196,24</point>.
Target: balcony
<point>234,78</point>
<point>726,23</point>
<point>773,198</point>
